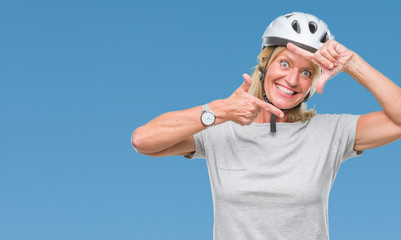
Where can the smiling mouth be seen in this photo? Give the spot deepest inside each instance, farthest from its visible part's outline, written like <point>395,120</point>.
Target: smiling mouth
<point>285,90</point>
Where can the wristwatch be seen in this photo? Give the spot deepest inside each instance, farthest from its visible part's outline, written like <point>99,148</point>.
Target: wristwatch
<point>207,116</point>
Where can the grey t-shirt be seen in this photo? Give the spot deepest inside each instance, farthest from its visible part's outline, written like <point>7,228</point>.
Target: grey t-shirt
<point>275,185</point>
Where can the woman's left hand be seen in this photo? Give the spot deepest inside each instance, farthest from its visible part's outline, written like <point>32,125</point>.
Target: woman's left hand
<point>332,58</point>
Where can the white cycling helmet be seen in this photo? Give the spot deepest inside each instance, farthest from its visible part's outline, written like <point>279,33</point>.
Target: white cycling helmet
<point>302,29</point>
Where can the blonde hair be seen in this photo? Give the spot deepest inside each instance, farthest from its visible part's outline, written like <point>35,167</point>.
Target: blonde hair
<point>300,114</point>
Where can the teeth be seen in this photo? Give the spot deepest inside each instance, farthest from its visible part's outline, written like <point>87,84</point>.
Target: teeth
<point>285,90</point>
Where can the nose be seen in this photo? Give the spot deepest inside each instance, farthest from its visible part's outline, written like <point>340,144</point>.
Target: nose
<point>292,78</point>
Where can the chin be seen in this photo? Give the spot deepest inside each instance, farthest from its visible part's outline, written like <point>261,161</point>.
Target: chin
<point>285,104</point>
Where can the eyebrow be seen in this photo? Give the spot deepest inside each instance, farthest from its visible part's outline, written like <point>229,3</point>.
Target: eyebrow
<point>286,55</point>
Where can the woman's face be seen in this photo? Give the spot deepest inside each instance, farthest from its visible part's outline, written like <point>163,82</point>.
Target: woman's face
<point>288,79</point>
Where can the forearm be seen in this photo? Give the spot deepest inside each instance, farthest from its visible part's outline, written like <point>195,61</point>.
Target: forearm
<point>387,93</point>
<point>173,127</point>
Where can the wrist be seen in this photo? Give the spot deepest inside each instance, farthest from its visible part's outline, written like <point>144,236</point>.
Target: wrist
<point>351,66</point>
<point>217,107</point>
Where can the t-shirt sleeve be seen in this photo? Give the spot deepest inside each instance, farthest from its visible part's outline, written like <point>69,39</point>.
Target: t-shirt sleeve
<point>199,146</point>
<point>347,132</point>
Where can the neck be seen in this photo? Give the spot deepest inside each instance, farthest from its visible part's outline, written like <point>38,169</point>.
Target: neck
<point>264,117</point>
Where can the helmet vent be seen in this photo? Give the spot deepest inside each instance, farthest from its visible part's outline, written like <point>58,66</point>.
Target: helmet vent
<point>288,15</point>
<point>324,38</point>
<point>295,26</point>
<point>312,27</point>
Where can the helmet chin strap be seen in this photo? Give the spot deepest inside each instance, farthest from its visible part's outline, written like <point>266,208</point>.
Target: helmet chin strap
<point>262,79</point>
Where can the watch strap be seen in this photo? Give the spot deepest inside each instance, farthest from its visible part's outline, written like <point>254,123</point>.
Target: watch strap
<point>205,107</point>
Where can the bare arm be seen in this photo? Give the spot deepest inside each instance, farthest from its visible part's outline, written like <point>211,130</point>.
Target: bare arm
<point>378,128</point>
<point>156,137</point>
<point>374,130</point>
<point>172,133</point>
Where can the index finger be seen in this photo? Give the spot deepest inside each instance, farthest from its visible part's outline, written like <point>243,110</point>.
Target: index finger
<point>297,50</point>
<point>270,108</point>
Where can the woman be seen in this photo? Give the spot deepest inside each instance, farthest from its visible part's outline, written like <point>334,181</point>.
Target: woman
<point>275,183</point>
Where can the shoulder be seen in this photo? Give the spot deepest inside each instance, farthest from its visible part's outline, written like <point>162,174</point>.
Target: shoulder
<point>334,121</point>
<point>332,118</point>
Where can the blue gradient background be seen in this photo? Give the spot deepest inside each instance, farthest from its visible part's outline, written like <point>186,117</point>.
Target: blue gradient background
<point>77,77</point>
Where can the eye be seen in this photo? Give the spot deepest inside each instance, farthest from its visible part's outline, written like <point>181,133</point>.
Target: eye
<point>284,64</point>
<point>307,73</point>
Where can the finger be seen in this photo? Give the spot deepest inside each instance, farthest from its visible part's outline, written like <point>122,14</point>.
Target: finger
<point>334,53</point>
<point>323,61</point>
<point>331,49</point>
<point>320,86</point>
<point>247,83</point>
<point>325,53</point>
<point>321,82</point>
<point>297,50</point>
<point>270,108</point>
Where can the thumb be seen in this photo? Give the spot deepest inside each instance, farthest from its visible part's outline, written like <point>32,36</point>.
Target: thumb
<point>247,83</point>
<point>321,82</point>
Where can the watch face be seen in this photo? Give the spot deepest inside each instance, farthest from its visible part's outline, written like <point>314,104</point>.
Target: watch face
<point>208,118</point>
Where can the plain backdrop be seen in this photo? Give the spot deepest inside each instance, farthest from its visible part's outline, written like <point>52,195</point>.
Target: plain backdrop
<point>78,76</point>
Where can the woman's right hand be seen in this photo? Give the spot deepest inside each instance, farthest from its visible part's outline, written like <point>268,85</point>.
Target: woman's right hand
<point>172,133</point>
<point>243,108</point>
